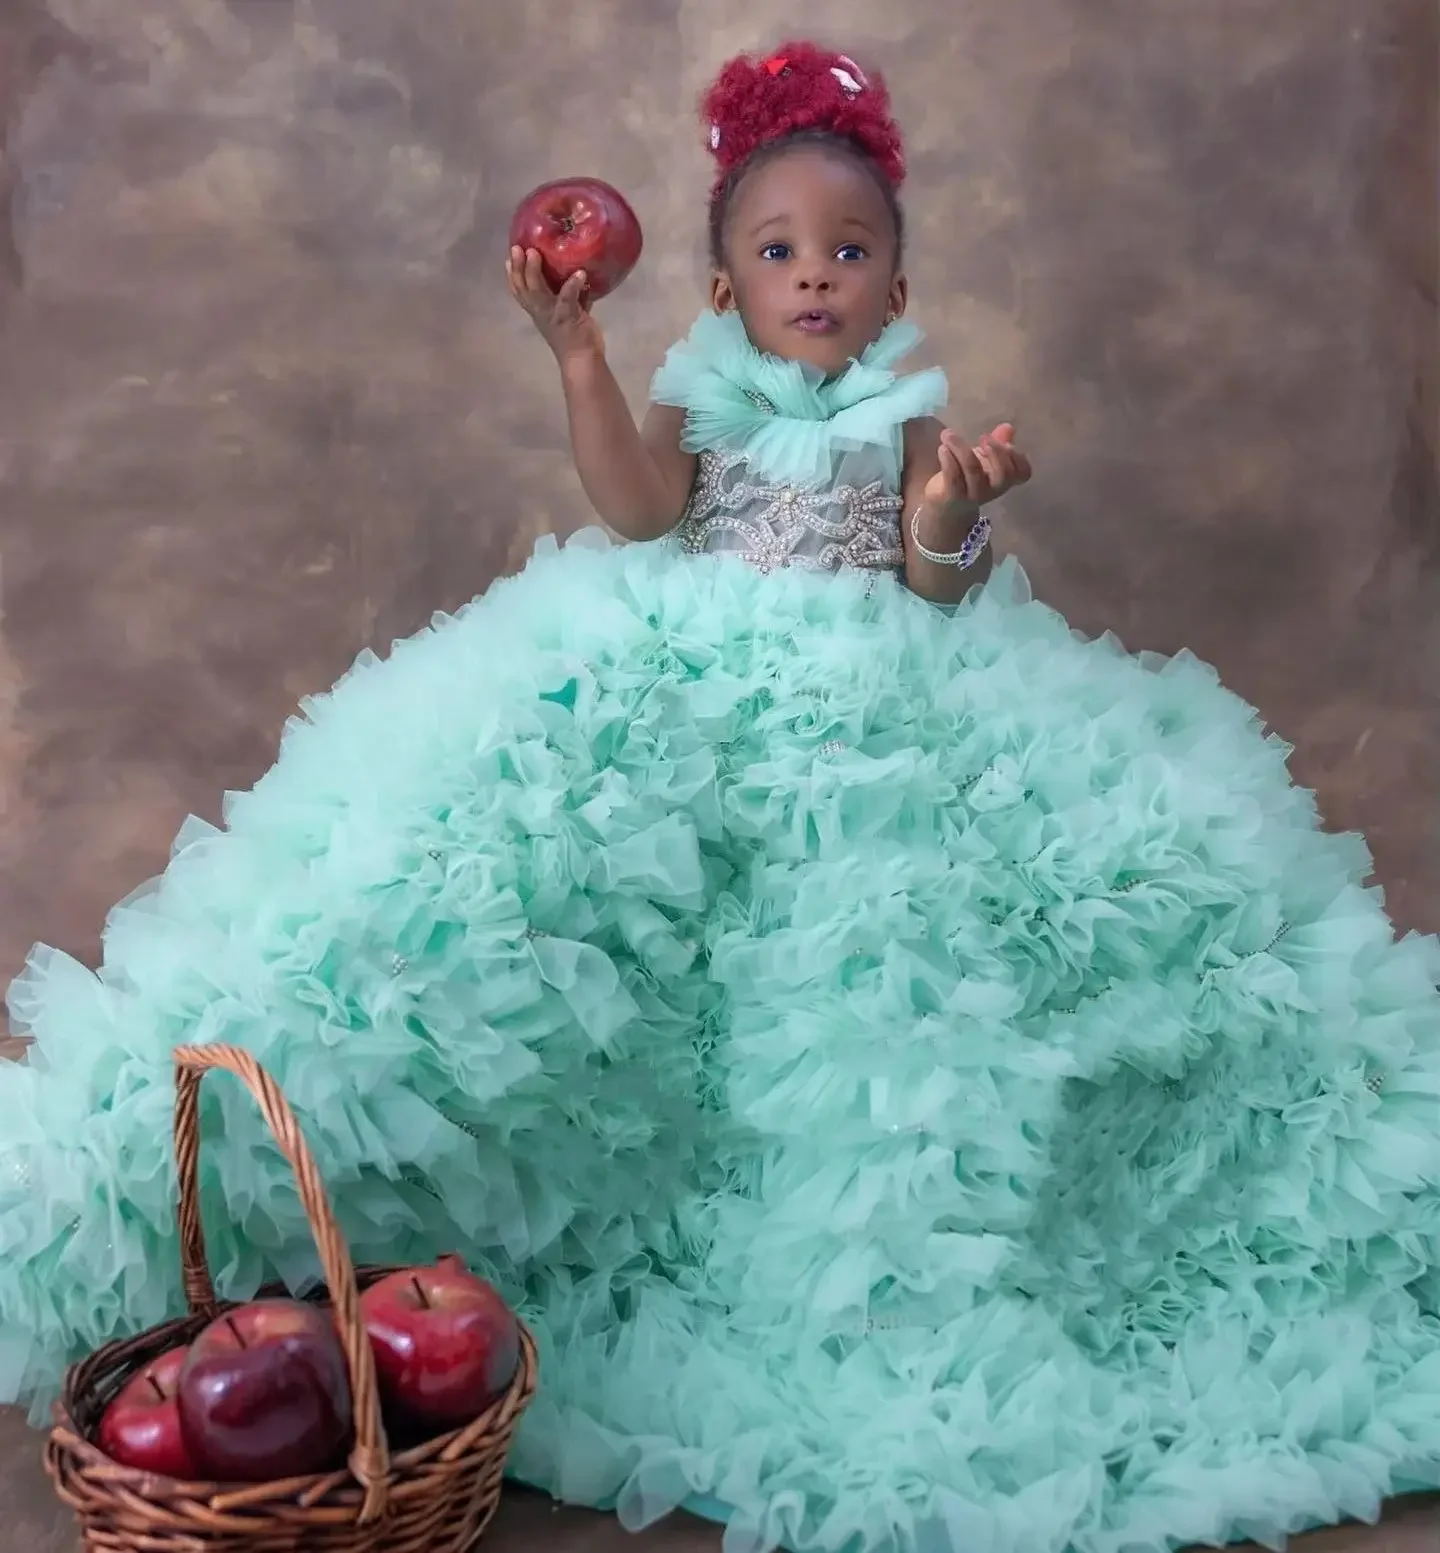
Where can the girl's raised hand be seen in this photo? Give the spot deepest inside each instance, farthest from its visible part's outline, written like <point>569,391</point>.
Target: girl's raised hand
<point>972,476</point>
<point>563,318</point>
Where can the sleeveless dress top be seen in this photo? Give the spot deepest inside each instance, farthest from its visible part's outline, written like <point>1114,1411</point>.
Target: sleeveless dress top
<point>794,469</point>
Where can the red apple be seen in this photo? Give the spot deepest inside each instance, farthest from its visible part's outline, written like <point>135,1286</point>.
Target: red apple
<point>445,1343</point>
<point>141,1427</point>
<point>265,1394</point>
<point>579,224</point>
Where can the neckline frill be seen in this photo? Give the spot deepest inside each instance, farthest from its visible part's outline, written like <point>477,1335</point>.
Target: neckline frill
<point>788,419</point>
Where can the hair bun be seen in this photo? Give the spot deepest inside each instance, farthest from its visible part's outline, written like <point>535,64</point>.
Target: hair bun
<point>800,87</point>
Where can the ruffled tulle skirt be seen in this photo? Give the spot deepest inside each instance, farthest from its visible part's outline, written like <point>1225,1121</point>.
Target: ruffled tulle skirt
<point>927,1080</point>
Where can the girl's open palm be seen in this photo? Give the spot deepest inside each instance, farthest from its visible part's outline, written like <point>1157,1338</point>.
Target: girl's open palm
<point>972,476</point>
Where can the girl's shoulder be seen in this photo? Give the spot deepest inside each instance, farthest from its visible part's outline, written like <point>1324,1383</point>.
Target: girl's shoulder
<point>922,434</point>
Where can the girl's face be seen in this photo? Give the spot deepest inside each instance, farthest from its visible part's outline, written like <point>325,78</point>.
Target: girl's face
<point>810,259</point>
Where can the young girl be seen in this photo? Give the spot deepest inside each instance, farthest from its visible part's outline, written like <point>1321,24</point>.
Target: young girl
<point>791,368</point>
<point>927,1079</point>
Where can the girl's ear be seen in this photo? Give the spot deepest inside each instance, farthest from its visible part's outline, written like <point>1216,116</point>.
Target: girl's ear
<point>899,297</point>
<point>722,293</point>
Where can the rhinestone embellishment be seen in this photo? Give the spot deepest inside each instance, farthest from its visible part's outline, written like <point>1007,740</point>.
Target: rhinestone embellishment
<point>772,526</point>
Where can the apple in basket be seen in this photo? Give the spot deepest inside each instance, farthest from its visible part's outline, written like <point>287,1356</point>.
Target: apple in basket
<point>141,1427</point>
<point>446,1345</point>
<point>579,224</point>
<point>265,1394</point>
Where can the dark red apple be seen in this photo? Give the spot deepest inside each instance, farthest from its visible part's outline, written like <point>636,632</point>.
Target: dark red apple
<point>265,1394</point>
<point>579,224</point>
<point>141,1427</point>
<point>446,1345</point>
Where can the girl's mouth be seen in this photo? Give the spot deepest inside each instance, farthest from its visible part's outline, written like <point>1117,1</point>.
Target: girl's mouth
<point>817,320</point>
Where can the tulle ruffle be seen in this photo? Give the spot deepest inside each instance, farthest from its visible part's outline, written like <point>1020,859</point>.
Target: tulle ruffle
<point>928,1081</point>
<point>788,419</point>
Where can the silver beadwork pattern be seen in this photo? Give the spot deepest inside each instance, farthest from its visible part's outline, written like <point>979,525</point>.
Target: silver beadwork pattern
<point>772,526</point>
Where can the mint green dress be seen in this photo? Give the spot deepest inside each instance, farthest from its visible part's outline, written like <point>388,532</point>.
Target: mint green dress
<point>927,1078</point>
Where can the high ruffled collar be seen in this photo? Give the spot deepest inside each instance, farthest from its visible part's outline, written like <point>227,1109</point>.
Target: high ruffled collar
<point>795,389</point>
<point>787,416</point>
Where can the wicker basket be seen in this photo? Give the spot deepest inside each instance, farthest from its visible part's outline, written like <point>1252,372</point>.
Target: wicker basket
<point>436,1498</point>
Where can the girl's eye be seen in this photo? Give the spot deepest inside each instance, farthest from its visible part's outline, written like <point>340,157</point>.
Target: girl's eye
<point>850,253</point>
<point>775,251</point>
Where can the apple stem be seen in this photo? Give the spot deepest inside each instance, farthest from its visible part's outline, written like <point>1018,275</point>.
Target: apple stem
<point>156,1387</point>
<point>235,1333</point>
<point>420,1294</point>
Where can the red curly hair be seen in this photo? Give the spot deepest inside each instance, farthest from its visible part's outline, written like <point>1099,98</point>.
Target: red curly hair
<point>759,105</point>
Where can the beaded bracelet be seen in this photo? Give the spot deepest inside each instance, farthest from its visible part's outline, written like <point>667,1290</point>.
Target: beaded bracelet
<point>972,547</point>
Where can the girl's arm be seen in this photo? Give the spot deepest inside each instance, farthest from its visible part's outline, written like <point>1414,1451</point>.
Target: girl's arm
<point>947,515</point>
<point>637,478</point>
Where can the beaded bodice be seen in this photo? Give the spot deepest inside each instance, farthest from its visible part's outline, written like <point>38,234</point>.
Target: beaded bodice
<point>794,468</point>
<point>733,510</point>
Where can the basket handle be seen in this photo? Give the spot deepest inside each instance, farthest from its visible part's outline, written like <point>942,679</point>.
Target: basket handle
<point>370,1458</point>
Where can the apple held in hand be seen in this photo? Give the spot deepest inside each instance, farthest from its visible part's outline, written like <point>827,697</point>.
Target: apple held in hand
<point>265,1394</point>
<point>579,224</point>
<point>446,1345</point>
<point>141,1427</point>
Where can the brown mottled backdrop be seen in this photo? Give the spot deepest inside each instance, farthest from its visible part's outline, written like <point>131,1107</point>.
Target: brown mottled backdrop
<point>263,400</point>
